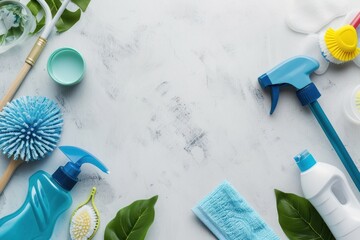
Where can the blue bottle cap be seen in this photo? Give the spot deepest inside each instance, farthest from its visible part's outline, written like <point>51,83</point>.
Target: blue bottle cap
<point>308,94</point>
<point>66,176</point>
<point>305,160</point>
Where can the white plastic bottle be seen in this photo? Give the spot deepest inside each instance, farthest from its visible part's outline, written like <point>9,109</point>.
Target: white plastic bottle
<point>326,187</point>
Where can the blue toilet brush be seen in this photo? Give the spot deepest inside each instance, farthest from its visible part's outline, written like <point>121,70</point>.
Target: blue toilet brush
<point>30,128</point>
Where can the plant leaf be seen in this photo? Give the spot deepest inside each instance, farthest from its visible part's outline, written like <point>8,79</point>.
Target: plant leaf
<point>299,219</point>
<point>82,4</point>
<point>39,25</point>
<point>67,19</point>
<point>35,8</point>
<point>132,222</point>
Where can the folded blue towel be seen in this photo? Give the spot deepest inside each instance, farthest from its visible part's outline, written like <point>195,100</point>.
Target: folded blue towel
<point>230,217</point>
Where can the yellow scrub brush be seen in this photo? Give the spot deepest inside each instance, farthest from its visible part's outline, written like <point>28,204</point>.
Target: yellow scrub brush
<point>85,219</point>
<point>341,45</point>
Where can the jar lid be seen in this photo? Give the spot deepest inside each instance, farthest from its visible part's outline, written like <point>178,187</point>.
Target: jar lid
<point>66,66</point>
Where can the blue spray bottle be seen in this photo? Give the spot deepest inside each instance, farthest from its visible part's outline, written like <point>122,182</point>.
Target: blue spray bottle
<point>296,72</point>
<point>48,197</point>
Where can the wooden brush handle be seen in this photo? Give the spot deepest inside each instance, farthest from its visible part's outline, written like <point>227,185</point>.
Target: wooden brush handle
<point>29,62</point>
<point>13,165</point>
<point>15,85</point>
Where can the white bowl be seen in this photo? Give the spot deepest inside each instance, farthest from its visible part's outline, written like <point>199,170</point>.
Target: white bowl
<point>16,22</point>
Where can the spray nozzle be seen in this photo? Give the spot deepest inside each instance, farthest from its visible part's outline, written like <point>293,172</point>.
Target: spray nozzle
<point>295,72</point>
<point>66,175</point>
<point>79,156</point>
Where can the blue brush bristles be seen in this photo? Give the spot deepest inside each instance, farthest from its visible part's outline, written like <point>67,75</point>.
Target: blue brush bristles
<point>30,127</point>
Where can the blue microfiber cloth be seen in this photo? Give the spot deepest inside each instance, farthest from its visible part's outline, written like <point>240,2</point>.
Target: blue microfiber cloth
<point>230,217</point>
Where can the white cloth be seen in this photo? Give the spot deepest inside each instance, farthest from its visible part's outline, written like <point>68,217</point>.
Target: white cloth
<point>310,16</point>
<point>310,45</point>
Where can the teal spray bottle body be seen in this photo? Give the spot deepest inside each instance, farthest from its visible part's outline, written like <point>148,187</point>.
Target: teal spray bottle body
<point>47,198</point>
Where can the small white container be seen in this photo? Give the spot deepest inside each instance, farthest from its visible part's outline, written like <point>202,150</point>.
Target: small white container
<point>352,105</point>
<point>326,187</point>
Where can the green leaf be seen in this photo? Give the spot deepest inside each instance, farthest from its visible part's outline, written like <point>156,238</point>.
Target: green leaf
<point>39,25</point>
<point>299,219</point>
<point>67,19</point>
<point>35,8</point>
<point>132,222</point>
<point>82,4</point>
<point>2,38</point>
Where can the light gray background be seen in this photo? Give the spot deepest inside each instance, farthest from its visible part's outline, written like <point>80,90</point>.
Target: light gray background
<point>171,103</point>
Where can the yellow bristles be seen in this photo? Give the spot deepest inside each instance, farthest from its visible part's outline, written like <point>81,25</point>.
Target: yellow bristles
<point>341,44</point>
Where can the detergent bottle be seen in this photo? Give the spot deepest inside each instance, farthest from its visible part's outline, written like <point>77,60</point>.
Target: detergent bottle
<point>48,196</point>
<point>326,187</point>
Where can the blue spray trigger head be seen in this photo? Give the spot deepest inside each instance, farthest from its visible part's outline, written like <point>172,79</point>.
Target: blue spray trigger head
<point>294,71</point>
<point>66,175</point>
<point>79,156</point>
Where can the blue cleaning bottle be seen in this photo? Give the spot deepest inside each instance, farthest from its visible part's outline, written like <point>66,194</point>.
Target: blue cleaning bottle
<point>48,197</point>
<point>296,72</point>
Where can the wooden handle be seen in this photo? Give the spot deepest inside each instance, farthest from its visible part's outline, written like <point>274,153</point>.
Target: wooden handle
<point>13,165</point>
<point>15,85</point>
<point>29,62</point>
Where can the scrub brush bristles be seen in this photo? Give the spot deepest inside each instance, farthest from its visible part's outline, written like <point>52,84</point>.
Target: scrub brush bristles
<point>30,128</point>
<point>85,219</point>
<point>83,223</point>
<point>339,46</point>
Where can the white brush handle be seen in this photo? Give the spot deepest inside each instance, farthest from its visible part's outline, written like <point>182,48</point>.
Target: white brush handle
<point>47,11</point>
<point>49,27</point>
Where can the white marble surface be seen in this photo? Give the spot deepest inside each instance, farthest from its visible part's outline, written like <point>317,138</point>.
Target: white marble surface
<point>171,103</point>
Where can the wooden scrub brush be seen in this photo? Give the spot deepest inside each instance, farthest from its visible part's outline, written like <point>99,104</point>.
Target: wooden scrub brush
<point>30,128</point>
<point>341,45</point>
<point>85,219</point>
